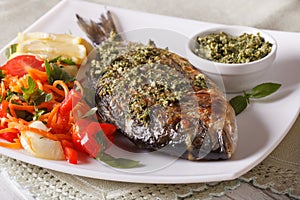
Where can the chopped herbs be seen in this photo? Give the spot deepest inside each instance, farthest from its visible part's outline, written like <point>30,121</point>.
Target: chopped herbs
<point>38,113</point>
<point>54,72</point>
<point>143,77</point>
<point>200,81</point>
<point>229,49</point>
<point>33,95</point>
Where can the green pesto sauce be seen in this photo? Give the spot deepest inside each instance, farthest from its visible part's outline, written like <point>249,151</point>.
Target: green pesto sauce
<point>229,49</point>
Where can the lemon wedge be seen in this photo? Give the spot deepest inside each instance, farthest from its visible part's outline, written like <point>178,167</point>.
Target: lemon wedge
<point>50,45</point>
<point>64,38</point>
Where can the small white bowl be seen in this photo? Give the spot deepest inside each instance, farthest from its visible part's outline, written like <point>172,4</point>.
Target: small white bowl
<point>233,78</point>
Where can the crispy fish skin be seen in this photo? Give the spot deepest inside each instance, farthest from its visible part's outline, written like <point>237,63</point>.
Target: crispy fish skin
<point>157,98</point>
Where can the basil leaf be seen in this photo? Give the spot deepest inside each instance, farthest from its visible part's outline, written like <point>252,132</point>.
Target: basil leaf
<point>27,92</point>
<point>239,104</point>
<point>100,139</point>
<point>121,163</point>
<point>54,60</point>
<point>54,73</point>
<point>40,96</point>
<point>67,61</point>
<point>264,90</point>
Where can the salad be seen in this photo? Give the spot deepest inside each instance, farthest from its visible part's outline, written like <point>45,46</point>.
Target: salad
<point>42,106</point>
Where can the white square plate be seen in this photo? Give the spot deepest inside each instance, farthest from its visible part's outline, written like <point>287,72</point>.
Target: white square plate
<point>261,127</point>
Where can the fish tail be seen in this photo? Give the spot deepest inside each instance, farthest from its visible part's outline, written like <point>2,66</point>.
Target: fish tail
<point>97,32</point>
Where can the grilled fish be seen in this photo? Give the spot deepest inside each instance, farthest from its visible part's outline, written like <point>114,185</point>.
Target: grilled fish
<point>157,98</point>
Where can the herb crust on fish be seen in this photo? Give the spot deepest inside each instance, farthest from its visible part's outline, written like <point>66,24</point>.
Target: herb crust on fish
<point>157,98</point>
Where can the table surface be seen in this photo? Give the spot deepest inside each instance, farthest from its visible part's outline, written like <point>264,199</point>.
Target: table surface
<point>241,12</point>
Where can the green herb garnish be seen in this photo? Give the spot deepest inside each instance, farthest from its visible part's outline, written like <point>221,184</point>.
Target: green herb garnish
<point>10,50</point>
<point>241,102</point>
<point>10,94</point>
<point>38,113</point>
<point>1,75</point>
<point>67,61</point>
<point>33,95</point>
<point>121,163</point>
<point>54,73</point>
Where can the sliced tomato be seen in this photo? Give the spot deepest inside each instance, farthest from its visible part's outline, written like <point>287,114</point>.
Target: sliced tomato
<point>18,66</point>
<point>9,136</point>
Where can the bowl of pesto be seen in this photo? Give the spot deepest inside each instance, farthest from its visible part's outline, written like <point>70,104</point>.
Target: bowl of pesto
<point>234,57</point>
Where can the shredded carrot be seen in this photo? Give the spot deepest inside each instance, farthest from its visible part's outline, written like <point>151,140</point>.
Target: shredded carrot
<point>17,123</point>
<point>52,114</point>
<point>14,145</point>
<point>12,110</point>
<point>44,117</point>
<point>41,132</point>
<point>63,85</point>
<point>3,90</point>
<point>38,75</point>
<point>14,107</point>
<point>7,130</point>
<point>54,89</point>
<point>63,137</point>
<point>40,85</point>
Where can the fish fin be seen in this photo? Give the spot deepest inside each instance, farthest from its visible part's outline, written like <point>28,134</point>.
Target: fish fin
<point>97,32</point>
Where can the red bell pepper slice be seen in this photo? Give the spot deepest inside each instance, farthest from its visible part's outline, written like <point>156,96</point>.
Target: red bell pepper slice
<point>3,108</point>
<point>70,153</point>
<point>9,136</point>
<point>63,114</point>
<point>93,138</point>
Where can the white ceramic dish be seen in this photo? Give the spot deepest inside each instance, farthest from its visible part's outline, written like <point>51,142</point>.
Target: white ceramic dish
<point>233,78</point>
<point>261,127</point>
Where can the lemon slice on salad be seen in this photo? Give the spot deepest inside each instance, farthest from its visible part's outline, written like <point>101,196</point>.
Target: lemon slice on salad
<point>50,46</point>
<point>64,38</point>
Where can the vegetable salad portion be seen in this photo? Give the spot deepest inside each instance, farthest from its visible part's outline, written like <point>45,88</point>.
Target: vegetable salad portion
<point>42,106</point>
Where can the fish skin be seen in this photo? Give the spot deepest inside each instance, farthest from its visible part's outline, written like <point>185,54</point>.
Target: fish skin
<point>200,125</point>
